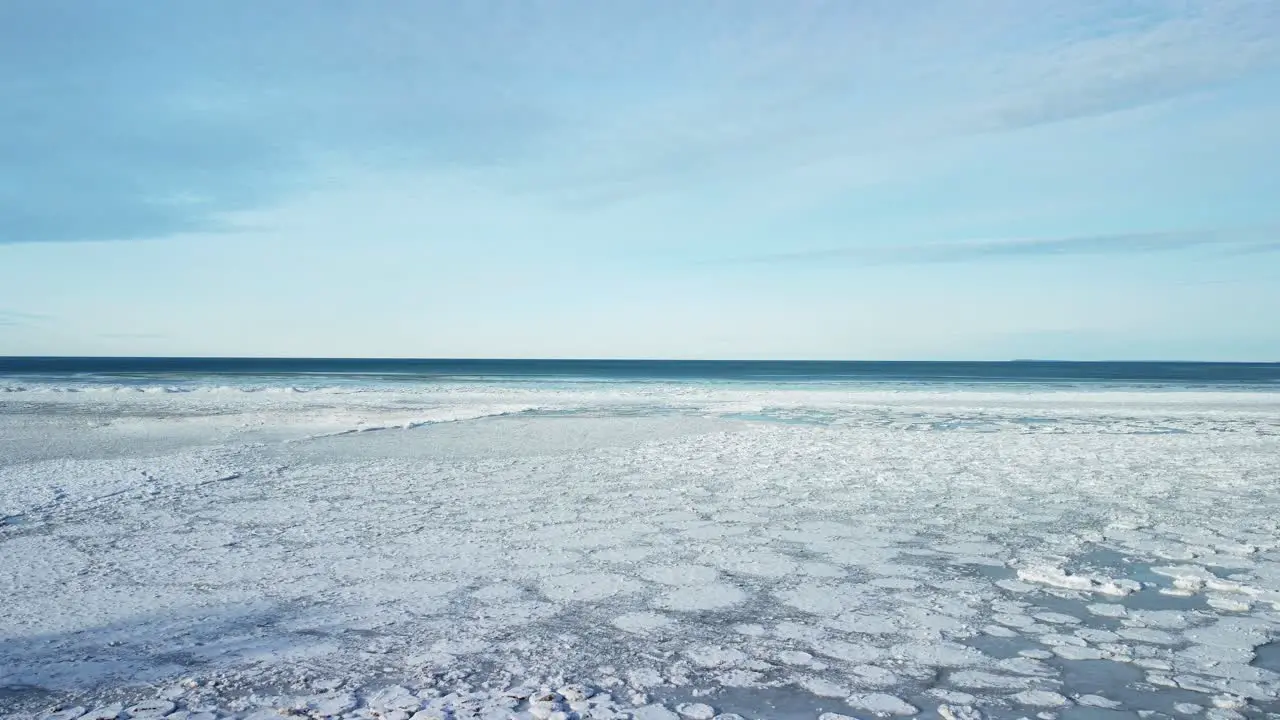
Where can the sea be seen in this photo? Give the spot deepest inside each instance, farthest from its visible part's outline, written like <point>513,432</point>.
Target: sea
<point>1060,374</point>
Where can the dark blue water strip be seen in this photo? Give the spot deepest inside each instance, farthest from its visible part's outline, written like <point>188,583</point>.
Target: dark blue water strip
<point>1173,373</point>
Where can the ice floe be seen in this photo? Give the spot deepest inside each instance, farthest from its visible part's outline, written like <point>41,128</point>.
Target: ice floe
<point>440,553</point>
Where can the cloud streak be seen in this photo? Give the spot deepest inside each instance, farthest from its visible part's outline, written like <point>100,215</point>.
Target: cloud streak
<point>1222,241</point>
<point>11,318</point>
<point>133,336</point>
<point>160,120</point>
<point>1151,57</point>
<point>826,84</point>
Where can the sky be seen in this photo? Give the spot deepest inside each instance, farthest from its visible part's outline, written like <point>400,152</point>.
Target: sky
<point>855,179</point>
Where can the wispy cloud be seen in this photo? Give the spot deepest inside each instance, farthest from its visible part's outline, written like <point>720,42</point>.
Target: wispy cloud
<point>14,317</point>
<point>133,336</point>
<point>1259,248</point>
<point>1222,241</point>
<point>852,80</point>
<point>165,119</point>
<point>1127,61</point>
<point>162,120</point>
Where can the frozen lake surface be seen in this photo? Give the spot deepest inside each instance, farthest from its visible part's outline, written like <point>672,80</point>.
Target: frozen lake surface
<point>646,550</point>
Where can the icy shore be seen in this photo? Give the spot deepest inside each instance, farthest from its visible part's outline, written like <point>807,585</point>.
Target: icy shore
<point>644,551</point>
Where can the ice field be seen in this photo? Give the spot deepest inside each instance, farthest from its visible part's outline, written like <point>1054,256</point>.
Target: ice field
<point>644,550</point>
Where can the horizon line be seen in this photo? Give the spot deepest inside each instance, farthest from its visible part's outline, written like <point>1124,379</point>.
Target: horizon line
<point>620,359</point>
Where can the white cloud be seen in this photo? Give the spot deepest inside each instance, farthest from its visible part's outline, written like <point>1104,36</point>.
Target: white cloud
<point>852,80</point>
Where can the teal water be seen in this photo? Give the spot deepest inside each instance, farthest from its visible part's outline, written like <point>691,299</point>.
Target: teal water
<point>1146,374</point>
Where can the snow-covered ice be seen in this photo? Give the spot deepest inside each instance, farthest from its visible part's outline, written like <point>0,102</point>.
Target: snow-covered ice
<point>644,550</point>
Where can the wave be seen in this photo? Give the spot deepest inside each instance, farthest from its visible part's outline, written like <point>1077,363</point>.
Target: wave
<point>100,388</point>
<point>713,398</point>
<point>438,416</point>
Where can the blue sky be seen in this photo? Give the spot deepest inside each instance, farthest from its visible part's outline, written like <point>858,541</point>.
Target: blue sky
<point>941,179</point>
